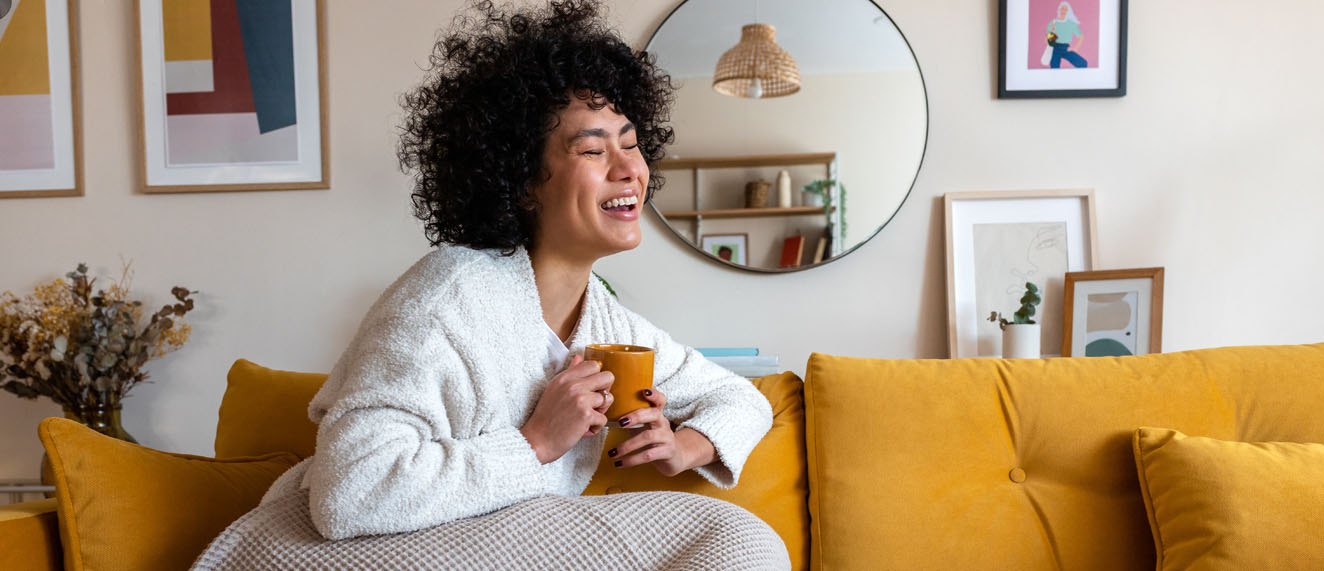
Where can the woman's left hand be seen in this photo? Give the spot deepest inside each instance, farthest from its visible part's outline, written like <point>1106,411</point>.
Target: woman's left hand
<point>670,452</point>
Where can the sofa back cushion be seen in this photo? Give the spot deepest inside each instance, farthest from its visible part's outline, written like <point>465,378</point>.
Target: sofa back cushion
<point>773,484</point>
<point>266,410</point>
<point>1024,464</point>
<point>125,506</point>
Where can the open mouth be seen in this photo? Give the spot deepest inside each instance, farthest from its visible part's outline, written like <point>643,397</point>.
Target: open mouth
<point>624,204</point>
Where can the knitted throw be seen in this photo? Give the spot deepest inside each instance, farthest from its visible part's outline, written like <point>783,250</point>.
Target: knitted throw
<point>649,530</point>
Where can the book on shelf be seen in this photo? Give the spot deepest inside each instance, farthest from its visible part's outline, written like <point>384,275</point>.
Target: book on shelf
<point>822,247</point>
<point>793,249</point>
<point>728,351</point>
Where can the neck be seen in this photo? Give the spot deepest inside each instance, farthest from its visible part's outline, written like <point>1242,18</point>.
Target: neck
<point>562,284</point>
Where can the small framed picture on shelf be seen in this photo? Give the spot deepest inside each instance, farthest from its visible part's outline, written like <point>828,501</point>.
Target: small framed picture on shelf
<point>1113,313</point>
<point>40,124</point>
<point>998,241</point>
<point>233,95</point>
<point>731,248</point>
<point>1061,48</point>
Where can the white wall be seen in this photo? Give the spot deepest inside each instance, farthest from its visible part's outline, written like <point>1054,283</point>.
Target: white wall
<point>1210,167</point>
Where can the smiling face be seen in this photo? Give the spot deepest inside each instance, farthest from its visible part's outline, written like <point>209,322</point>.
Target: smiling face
<point>593,185</point>
<point>1062,12</point>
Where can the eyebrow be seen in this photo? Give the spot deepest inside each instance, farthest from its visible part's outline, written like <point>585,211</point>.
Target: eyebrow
<point>600,133</point>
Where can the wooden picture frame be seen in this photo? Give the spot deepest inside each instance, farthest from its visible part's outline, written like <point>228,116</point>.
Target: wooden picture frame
<point>738,244</point>
<point>232,95</point>
<point>1113,313</point>
<point>41,124</point>
<point>1029,66</point>
<point>996,241</point>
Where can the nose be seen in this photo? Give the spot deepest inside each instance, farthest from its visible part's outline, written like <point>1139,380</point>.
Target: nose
<point>627,166</point>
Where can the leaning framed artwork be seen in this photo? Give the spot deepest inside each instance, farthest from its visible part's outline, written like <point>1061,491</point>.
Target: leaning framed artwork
<point>40,121</point>
<point>233,95</point>
<point>1061,48</point>
<point>1113,313</point>
<point>998,241</point>
<point>731,248</point>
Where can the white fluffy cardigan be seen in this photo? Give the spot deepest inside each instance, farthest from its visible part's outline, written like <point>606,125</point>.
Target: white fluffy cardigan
<point>419,419</point>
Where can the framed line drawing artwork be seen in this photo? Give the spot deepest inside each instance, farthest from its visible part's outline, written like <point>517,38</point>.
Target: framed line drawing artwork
<point>731,248</point>
<point>998,241</point>
<point>41,137</point>
<point>1061,48</point>
<point>233,95</point>
<point>1113,313</point>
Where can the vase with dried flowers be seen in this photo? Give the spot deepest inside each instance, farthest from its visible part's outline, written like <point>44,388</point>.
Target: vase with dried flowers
<point>85,349</point>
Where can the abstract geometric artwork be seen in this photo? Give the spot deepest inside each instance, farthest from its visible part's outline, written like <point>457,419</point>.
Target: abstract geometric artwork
<point>38,126</point>
<point>233,94</point>
<point>1110,323</point>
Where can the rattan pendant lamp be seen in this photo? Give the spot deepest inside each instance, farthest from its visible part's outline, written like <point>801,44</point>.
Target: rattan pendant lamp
<point>757,67</point>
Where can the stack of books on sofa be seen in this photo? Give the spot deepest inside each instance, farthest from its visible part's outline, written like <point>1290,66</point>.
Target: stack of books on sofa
<point>743,361</point>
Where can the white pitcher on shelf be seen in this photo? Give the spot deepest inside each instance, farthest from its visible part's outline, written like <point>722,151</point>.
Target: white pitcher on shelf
<point>784,189</point>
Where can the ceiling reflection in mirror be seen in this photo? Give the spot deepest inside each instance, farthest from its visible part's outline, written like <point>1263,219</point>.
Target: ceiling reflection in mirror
<point>823,97</point>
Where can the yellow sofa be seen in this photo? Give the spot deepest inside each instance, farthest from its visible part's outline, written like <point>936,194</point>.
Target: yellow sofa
<point>896,464</point>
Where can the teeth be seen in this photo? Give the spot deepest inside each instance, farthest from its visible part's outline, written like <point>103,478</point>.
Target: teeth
<point>615,202</point>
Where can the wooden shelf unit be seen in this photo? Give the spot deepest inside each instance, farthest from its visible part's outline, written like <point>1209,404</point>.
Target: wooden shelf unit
<point>699,164</point>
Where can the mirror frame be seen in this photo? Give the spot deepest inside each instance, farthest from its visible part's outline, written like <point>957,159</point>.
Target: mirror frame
<point>924,149</point>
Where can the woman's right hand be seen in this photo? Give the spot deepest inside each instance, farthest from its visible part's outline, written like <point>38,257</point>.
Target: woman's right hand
<point>573,406</point>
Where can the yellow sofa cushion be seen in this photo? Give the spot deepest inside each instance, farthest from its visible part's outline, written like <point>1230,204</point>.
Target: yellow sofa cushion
<point>266,410</point>
<point>30,536</point>
<point>1215,504</point>
<point>125,506</point>
<point>773,485</point>
<point>1025,463</point>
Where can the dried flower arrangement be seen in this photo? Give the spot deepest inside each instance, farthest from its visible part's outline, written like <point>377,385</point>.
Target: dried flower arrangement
<point>82,348</point>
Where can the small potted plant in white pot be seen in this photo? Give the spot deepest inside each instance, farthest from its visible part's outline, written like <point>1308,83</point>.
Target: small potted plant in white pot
<point>1020,336</point>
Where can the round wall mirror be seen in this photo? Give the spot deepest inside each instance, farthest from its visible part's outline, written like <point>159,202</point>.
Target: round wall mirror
<point>800,128</point>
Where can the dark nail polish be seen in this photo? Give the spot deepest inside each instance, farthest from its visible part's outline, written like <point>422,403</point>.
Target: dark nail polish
<point>625,421</point>
<point>618,463</point>
<point>611,453</point>
<point>648,393</point>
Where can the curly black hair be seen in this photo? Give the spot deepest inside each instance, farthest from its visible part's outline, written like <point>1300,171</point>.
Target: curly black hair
<point>475,129</point>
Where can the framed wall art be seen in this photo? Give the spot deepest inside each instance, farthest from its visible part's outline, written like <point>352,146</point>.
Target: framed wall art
<point>233,95</point>
<point>1113,313</point>
<point>41,148</point>
<point>998,241</point>
<point>1061,48</point>
<point>732,248</point>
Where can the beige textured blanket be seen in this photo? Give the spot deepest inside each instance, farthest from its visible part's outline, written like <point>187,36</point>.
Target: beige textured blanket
<point>651,530</point>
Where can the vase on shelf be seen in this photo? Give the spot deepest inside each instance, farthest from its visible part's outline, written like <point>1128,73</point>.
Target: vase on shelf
<point>103,418</point>
<point>756,194</point>
<point>784,189</point>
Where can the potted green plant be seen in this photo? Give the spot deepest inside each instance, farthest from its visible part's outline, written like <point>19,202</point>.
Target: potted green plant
<point>819,193</point>
<point>1020,336</point>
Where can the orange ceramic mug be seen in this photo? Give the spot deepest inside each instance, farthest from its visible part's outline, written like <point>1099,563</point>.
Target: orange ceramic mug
<point>632,368</point>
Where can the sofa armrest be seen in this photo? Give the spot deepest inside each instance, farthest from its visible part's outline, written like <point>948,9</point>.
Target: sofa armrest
<point>30,536</point>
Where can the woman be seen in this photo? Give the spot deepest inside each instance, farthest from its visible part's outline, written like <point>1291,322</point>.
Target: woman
<point>1065,37</point>
<point>462,406</point>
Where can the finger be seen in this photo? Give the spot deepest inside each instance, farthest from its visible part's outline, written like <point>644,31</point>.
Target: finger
<point>596,382</point>
<point>655,397</point>
<point>656,453</point>
<point>596,423</point>
<point>607,399</point>
<point>644,416</point>
<point>640,441</point>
